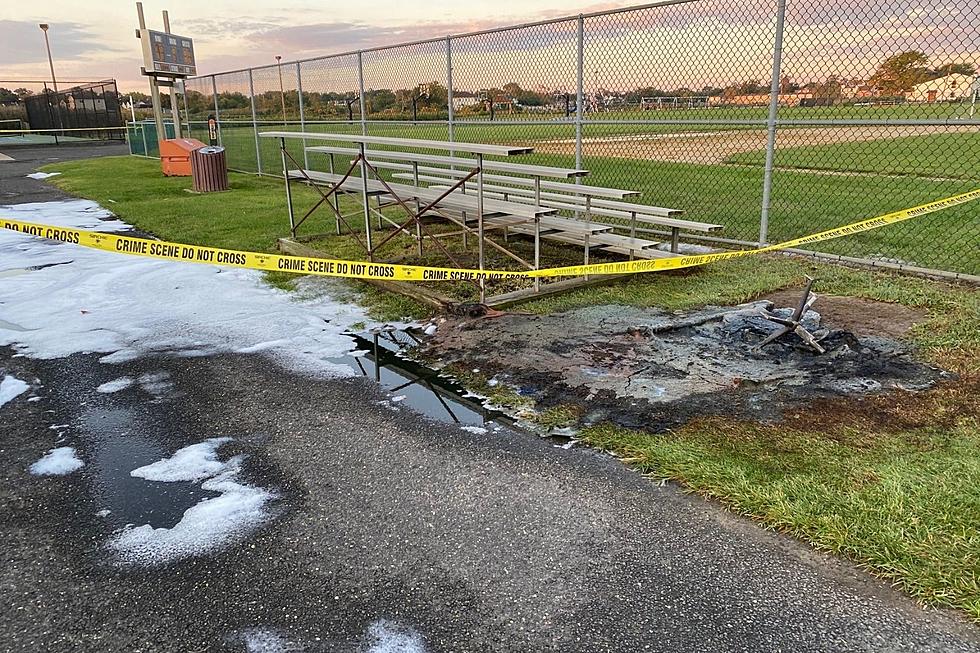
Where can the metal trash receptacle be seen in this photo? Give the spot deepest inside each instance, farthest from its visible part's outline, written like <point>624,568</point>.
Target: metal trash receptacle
<point>209,169</point>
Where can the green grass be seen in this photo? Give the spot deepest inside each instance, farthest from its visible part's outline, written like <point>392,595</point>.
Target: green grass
<point>253,215</point>
<point>902,503</point>
<point>802,202</point>
<point>249,217</point>
<point>238,137</point>
<point>951,155</point>
<point>807,202</point>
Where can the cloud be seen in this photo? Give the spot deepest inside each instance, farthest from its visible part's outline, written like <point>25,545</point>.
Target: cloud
<point>21,42</point>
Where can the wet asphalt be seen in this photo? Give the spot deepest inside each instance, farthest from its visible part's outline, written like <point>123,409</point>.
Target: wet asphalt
<point>489,542</point>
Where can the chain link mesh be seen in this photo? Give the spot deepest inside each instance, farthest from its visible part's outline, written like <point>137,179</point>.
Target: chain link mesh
<point>876,110</point>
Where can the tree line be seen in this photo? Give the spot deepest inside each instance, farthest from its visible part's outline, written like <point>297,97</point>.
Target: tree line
<point>894,77</point>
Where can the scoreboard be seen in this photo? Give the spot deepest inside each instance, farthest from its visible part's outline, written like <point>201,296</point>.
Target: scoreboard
<point>168,54</point>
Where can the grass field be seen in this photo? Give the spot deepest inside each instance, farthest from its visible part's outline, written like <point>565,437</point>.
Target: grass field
<point>237,135</point>
<point>805,197</point>
<point>952,155</point>
<point>803,201</point>
<point>891,484</point>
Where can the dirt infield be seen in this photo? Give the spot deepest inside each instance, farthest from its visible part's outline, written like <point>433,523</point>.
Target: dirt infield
<point>715,147</point>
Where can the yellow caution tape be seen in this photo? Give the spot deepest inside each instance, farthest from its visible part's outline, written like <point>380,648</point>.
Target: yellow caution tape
<point>391,272</point>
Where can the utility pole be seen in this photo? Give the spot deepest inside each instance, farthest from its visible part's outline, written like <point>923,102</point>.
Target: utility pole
<point>282,93</point>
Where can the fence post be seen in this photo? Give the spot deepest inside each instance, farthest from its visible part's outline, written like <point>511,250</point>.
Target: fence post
<point>360,91</point>
<point>255,124</point>
<point>302,116</point>
<point>579,97</point>
<point>449,91</point>
<point>175,109</point>
<point>187,112</point>
<point>217,118</point>
<point>777,63</point>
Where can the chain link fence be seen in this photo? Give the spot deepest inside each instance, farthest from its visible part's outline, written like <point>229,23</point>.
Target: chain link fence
<point>775,118</point>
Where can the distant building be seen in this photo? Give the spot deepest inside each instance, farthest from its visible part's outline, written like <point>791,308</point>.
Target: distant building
<point>950,88</point>
<point>859,90</point>
<point>465,99</point>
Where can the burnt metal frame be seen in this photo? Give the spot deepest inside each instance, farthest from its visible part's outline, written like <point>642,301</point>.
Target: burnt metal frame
<point>794,324</point>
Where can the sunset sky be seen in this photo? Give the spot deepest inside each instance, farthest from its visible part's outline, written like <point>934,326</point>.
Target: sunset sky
<point>711,42</point>
<point>95,40</point>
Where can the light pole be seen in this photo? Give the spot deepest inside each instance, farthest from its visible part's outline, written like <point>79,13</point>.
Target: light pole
<point>47,45</point>
<point>282,93</point>
<point>54,81</point>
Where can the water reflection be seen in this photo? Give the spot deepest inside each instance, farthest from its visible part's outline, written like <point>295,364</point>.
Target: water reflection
<point>379,357</point>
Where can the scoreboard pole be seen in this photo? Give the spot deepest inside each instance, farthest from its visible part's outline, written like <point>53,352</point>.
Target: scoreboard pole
<point>173,89</point>
<point>154,87</point>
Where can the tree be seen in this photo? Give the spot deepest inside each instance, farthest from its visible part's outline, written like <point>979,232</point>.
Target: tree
<point>195,101</point>
<point>7,96</point>
<point>23,92</point>
<point>828,91</point>
<point>237,100</point>
<point>378,100</point>
<point>512,89</point>
<point>437,95</point>
<point>955,69</point>
<point>136,95</point>
<point>750,87</point>
<point>531,99</point>
<point>636,96</point>
<point>900,72</point>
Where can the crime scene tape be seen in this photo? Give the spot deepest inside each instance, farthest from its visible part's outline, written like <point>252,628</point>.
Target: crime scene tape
<point>395,272</point>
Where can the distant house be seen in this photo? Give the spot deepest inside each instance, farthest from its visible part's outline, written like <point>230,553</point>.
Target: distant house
<point>859,90</point>
<point>949,88</point>
<point>465,99</point>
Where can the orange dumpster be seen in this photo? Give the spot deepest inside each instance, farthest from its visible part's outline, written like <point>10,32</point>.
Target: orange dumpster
<point>175,156</point>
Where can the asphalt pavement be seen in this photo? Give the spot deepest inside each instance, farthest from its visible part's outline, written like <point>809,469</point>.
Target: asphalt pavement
<point>16,188</point>
<point>453,540</point>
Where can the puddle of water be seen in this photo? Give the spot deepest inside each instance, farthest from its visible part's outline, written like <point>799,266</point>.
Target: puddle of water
<point>124,437</point>
<point>379,357</point>
<point>122,441</point>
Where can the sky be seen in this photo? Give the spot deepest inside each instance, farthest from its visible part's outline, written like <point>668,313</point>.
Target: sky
<point>96,40</point>
<point>704,43</point>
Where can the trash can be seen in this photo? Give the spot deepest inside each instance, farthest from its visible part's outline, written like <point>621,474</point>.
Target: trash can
<point>210,169</point>
<point>175,156</point>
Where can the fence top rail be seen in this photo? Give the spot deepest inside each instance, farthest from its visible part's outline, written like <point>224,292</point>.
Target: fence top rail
<point>472,148</point>
<point>501,166</point>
